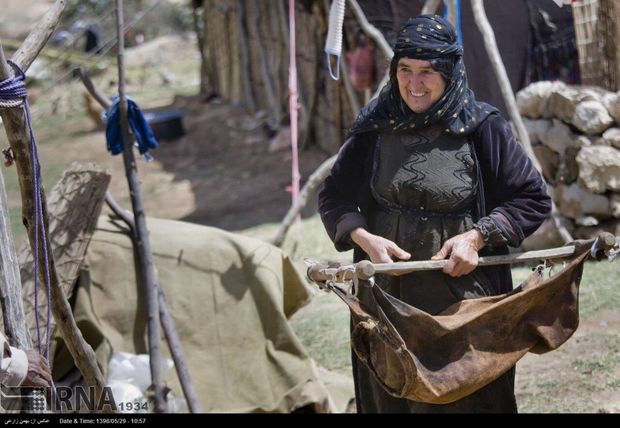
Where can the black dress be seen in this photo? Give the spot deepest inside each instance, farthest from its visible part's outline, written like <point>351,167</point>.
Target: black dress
<point>487,174</point>
<point>424,186</point>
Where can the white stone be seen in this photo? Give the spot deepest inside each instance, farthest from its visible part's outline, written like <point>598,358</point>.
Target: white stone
<point>536,128</point>
<point>611,101</point>
<point>599,168</point>
<point>532,100</point>
<point>574,202</point>
<point>612,135</point>
<point>591,117</point>
<point>586,221</point>
<point>559,137</point>
<point>615,205</point>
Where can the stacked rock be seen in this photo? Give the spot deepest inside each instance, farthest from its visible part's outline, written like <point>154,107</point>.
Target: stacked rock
<point>575,133</point>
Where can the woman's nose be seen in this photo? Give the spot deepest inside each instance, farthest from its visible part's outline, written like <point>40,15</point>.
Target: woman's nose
<point>415,80</point>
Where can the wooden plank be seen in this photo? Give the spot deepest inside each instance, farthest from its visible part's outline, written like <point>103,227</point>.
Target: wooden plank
<point>74,206</point>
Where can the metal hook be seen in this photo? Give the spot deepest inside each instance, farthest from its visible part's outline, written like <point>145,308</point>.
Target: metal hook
<point>329,65</point>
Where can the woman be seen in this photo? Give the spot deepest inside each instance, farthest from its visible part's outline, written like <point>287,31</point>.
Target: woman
<point>429,172</point>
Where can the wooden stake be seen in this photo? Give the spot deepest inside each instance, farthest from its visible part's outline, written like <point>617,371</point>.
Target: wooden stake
<point>167,322</point>
<point>13,315</point>
<point>16,128</point>
<point>371,30</point>
<point>37,38</point>
<point>309,189</point>
<point>430,7</point>
<point>141,237</point>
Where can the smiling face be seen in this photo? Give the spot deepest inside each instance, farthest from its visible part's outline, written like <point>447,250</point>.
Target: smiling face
<point>419,84</point>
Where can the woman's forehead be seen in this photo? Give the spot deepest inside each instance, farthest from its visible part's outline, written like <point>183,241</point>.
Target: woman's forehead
<point>414,63</point>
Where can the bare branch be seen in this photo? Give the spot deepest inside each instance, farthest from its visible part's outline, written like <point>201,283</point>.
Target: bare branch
<point>38,37</point>
<point>315,180</point>
<point>371,30</point>
<point>90,87</point>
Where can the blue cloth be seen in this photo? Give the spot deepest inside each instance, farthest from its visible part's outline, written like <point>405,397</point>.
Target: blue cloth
<point>137,123</point>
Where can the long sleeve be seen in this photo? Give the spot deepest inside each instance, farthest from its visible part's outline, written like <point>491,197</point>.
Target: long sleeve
<point>14,364</point>
<point>516,196</point>
<point>338,199</point>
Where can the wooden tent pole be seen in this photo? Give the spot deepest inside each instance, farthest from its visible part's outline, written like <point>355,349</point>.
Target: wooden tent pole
<point>502,78</point>
<point>13,315</point>
<point>143,245</point>
<point>18,135</point>
<point>167,322</point>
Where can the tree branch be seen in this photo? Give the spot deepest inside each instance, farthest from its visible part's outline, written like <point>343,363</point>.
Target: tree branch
<point>309,189</point>
<point>38,37</point>
<point>371,30</point>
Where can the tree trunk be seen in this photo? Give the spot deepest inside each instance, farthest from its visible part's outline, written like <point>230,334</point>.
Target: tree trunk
<point>248,40</point>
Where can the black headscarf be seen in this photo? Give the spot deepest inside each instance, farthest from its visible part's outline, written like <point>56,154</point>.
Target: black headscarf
<point>430,38</point>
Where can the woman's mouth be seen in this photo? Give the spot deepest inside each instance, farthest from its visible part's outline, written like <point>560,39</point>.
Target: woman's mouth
<point>417,94</point>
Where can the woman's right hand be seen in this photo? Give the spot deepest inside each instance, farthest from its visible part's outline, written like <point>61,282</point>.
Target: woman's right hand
<point>379,249</point>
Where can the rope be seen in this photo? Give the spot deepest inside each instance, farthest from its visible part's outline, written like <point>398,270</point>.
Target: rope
<point>13,94</point>
<point>333,44</point>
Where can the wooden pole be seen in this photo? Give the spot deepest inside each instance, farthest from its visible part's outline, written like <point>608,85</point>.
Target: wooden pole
<point>10,282</point>
<point>37,38</point>
<point>141,236</point>
<point>371,30</point>
<point>502,78</point>
<point>18,134</point>
<point>430,7</point>
<point>315,180</point>
<point>167,322</point>
<point>365,269</point>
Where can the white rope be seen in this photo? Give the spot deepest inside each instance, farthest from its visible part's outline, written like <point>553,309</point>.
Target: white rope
<point>333,44</point>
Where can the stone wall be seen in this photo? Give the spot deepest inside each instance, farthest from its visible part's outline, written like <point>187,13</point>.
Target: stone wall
<point>575,132</point>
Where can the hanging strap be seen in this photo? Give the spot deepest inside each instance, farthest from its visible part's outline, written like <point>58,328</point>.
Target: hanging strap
<point>333,44</point>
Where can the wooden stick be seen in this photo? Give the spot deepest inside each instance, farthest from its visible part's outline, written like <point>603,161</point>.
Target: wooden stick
<point>315,180</point>
<point>365,269</point>
<point>502,78</point>
<point>141,236</point>
<point>90,87</point>
<point>371,30</point>
<point>430,7</point>
<point>13,316</point>
<point>167,322</point>
<point>245,56</point>
<point>37,38</point>
<point>16,127</point>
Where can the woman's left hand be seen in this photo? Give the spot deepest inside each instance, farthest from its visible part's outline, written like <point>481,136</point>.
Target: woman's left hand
<point>463,252</point>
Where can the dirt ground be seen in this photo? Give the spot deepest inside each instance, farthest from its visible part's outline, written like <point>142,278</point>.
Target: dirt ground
<point>217,174</point>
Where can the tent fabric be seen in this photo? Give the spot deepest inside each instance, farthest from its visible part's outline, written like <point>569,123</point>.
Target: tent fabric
<point>443,358</point>
<point>230,297</point>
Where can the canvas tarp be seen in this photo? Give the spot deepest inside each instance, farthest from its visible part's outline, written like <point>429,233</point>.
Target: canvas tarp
<point>230,297</point>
